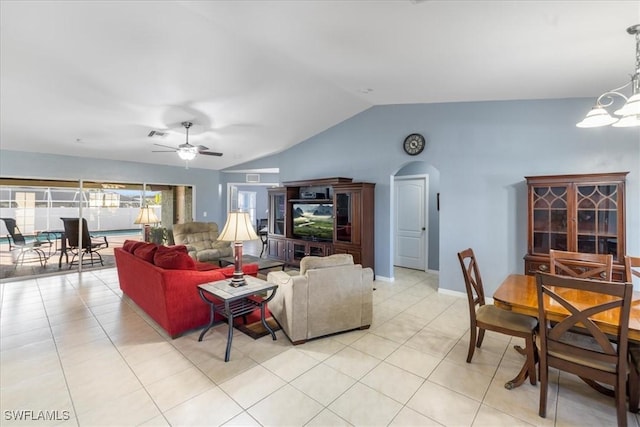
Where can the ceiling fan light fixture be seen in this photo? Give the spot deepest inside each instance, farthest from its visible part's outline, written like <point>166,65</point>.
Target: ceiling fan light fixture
<point>630,112</point>
<point>188,153</point>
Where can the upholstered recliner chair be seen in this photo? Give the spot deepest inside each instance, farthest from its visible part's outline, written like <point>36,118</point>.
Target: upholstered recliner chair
<point>201,240</point>
<point>330,295</point>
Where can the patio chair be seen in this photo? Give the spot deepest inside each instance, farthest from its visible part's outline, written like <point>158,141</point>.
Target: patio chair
<point>590,355</point>
<point>19,244</point>
<point>90,244</point>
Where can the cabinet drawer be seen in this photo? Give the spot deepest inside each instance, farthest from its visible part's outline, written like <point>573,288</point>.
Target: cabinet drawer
<point>532,267</point>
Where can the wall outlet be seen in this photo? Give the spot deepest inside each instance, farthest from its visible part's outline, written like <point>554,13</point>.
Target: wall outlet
<point>204,214</point>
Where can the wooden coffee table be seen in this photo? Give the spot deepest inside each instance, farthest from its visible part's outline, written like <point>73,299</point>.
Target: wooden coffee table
<point>263,263</point>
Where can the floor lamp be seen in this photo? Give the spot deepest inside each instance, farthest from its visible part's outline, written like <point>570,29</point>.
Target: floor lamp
<point>238,229</point>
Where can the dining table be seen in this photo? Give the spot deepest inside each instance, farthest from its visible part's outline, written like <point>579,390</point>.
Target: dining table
<point>518,293</point>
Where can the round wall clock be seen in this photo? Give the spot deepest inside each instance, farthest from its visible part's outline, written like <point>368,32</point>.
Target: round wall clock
<point>414,144</point>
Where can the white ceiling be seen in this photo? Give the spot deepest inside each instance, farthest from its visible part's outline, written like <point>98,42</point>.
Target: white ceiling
<point>92,78</point>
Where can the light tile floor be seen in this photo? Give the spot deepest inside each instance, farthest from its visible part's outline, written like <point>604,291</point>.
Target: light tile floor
<point>75,352</point>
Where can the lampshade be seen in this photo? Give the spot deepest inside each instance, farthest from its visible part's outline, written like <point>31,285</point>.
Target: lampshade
<point>632,107</point>
<point>146,216</point>
<point>238,228</point>
<point>597,117</point>
<point>628,121</point>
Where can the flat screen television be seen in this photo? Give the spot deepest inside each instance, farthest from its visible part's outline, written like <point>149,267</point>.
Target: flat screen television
<point>313,221</point>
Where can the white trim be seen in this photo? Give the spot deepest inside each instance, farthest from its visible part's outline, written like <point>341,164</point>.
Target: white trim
<point>384,278</point>
<point>459,294</point>
<point>452,293</point>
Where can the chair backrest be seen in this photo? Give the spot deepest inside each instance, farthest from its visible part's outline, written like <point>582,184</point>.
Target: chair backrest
<point>608,300</point>
<point>191,232</point>
<point>14,231</point>
<point>472,279</point>
<point>72,232</point>
<point>632,270</point>
<point>581,265</point>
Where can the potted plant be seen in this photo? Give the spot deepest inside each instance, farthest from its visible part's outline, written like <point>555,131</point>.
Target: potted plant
<point>158,235</point>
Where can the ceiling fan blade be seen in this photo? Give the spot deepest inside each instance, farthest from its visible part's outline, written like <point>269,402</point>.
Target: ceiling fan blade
<point>166,146</point>
<point>210,153</point>
<point>202,148</point>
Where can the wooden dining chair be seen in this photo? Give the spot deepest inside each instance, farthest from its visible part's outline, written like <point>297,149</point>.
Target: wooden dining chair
<point>581,265</point>
<point>489,317</point>
<point>632,275</point>
<point>632,269</point>
<point>591,354</point>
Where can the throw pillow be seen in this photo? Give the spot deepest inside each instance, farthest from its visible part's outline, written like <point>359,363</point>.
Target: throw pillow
<point>173,258</point>
<point>131,245</point>
<point>146,251</point>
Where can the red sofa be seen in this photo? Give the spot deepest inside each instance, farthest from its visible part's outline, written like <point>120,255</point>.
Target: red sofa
<point>168,295</point>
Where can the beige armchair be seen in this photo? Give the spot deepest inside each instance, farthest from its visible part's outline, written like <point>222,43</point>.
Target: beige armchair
<point>201,240</point>
<point>330,295</point>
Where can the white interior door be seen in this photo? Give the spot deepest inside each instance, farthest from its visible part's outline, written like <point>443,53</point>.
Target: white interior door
<point>411,222</point>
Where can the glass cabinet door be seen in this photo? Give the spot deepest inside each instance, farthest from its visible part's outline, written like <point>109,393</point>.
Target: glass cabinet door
<point>298,251</point>
<point>597,219</point>
<point>277,213</point>
<point>550,217</point>
<point>343,220</point>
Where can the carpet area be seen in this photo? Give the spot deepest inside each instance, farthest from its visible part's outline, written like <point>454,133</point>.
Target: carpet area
<point>32,268</point>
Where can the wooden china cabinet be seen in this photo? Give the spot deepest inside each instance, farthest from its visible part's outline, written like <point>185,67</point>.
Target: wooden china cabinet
<point>577,213</point>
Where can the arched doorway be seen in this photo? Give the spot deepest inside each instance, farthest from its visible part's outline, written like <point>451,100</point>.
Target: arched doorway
<point>411,212</point>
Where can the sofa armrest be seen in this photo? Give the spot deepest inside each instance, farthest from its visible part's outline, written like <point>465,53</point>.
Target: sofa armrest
<point>219,244</point>
<point>290,304</point>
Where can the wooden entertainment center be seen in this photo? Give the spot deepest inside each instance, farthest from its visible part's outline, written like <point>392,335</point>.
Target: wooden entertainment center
<point>344,224</point>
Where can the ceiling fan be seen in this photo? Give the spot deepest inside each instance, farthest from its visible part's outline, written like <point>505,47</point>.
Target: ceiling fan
<point>188,151</point>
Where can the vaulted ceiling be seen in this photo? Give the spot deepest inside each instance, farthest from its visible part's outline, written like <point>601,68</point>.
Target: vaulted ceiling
<point>93,78</point>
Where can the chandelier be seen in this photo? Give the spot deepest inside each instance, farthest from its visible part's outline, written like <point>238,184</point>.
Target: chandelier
<point>629,114</point>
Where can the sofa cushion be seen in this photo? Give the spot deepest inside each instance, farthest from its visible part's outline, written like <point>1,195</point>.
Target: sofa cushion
<point>314,262</point>
<point>173,258</point>
<point>146,251</point>
<point>131,245</point>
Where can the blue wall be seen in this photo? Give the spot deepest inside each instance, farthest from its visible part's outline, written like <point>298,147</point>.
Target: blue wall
<point>16,164</point>
<point>482,151</point>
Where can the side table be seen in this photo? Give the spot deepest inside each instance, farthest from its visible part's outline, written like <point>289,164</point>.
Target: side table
<point>233,302</point>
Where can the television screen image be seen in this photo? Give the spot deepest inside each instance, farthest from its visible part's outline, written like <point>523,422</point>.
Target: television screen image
<point>313,221</point>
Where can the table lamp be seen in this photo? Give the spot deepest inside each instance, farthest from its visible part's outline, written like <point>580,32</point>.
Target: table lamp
<point>146,216</point>
<point>238,229</point>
